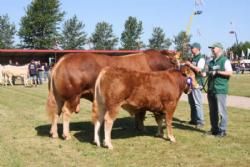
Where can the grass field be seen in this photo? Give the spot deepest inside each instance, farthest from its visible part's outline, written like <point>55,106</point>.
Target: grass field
<point>239,85</point>
<point>24,139</point>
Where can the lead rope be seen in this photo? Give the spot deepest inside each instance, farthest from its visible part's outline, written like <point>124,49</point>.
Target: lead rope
<point>204,85</point>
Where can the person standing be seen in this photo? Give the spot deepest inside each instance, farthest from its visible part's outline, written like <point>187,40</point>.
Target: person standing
<point>32,72</point>
<point>220,70</point>
<point>46,72</point>
<point>197,64</point>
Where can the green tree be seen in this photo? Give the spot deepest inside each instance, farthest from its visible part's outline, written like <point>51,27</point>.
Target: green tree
<point>73,36</point>
<point>131,36</point>
<point>7,32</point>
<point>242,46</point>
<point>103,37</point>
<point>181,42</point>
<point>158,40</point>
<point>39,27</point>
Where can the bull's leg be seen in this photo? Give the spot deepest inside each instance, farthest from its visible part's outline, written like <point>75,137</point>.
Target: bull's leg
<point>139,119</point>
<point>53,115</point>
<point>53,129</point>
<point>66,119</point>
<point>109,120</point>
<point>159,120</point>
<point>169,117</point>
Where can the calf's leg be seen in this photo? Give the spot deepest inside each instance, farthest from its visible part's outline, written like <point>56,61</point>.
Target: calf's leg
<point>109,121</point>
<point>98,111</point>
<point>159,120</point>
<point>169,117</point>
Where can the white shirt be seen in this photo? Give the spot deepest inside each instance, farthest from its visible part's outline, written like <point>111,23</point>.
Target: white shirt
<point>201,63</point>
<point>228,66</point>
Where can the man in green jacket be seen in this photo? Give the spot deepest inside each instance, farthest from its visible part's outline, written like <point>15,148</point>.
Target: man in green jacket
<point>197,64</point>
<point>220,70</point>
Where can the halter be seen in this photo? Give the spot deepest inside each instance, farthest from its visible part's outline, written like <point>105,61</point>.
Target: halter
<point>190,82</point>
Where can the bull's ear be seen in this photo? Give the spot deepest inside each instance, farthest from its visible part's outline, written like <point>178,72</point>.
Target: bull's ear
<point>177,55</point>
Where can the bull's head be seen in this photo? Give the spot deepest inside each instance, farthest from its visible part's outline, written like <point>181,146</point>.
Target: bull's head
<point>173,56</point>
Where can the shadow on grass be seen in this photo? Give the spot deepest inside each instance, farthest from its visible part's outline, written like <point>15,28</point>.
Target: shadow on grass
<point>123,128</point>
<point>183,125</point>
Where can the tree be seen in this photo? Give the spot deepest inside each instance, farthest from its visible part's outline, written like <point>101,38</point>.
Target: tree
<point>7,32</point>
<point>39,27</point>
<point>130,37</point>
<point>73,36</point>
<point>181,42</point>
<point>103,37</point>
<point>242,46</point>
<point>158,40</point>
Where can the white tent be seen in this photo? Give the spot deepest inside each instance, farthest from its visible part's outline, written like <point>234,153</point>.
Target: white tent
<point>248,53</point>
<point>242,54</point>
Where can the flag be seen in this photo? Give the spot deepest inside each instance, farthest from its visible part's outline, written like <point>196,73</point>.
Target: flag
<point>242,54</point>
<point>198,3</point>
<point>248,53</point>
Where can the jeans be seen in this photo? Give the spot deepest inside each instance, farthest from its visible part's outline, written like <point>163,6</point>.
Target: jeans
<point>217,111</point>
<point>33,79</point>
<point>40,77</point>
<point>45,76</point>
<point>195,102</point>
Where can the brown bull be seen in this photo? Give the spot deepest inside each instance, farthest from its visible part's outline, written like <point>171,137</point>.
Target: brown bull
<point>74,77</point>
<point>158,92</point>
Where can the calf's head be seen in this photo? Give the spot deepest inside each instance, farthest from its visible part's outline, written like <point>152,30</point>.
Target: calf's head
<point>190,78</point>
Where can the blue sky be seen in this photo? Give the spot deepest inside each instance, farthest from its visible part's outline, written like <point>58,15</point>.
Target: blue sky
<point>173,16</point>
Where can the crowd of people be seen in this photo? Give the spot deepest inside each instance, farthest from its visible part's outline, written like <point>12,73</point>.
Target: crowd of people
<point>38,72</point>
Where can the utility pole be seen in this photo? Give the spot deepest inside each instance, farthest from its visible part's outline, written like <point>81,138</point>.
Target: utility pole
<point>236,37</point>
<point>188,28</point>
<point>198,12</point>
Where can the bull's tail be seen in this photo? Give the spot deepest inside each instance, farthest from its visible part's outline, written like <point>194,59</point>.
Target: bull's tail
<point>49,80</point>
<point>51,105</point>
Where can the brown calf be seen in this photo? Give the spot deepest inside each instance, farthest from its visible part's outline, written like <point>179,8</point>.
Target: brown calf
<point>157,92</point>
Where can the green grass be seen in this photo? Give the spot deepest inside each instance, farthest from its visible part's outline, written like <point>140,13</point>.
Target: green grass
<point>239,85</point>
<point>24,139</point>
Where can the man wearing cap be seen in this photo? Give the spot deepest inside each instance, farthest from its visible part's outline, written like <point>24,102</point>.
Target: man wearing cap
<point>197,64</point>
<point>220,70</point>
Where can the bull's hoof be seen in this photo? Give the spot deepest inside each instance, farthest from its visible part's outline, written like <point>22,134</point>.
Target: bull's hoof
<point>161,135</point>
<point>67,137</point>
<point>140,128</point>
<point>97,143</point>
<point>53,135</point>
<point>108,145</point>
<point>172,139</point>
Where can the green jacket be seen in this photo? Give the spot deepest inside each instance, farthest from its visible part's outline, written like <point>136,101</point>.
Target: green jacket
<point>218,84</point>
<point>199,78</point>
